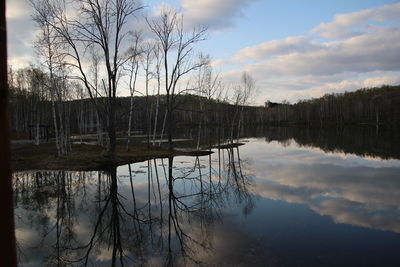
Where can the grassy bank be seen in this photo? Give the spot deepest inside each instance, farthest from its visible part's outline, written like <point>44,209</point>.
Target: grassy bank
<point>86,157</point>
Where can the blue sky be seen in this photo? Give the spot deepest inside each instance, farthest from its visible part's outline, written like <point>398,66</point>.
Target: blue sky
<point>273,20</point>
<point>293,49</point>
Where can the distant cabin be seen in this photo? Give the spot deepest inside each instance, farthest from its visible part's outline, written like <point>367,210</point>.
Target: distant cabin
<point>270,104</point>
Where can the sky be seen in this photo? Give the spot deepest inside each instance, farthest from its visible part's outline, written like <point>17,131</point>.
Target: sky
<point>293,49</point>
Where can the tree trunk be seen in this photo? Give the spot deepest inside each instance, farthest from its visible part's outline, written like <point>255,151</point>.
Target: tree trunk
<point>37,137</point>
<point>53,105</point>
<point>111,129</point>
<point>98,130</point>
<point>170,122</point>
<point>129,123</point>
<point>163,127</point>
<point>156,116</point>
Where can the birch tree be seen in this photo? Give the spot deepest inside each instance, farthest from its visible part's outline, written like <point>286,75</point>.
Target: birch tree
<point>148,57</point>
<point>207,86</point>
<point>177,46</point>
<point>134,54</point>
<point>50,49</point>
<point>158,61</point>
<point>242,93</point>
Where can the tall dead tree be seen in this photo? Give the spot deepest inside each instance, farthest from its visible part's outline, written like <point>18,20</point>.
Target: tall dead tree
<point>157,72</point>
<point>50,49</point>
<point>207,86</point>
<point>148,54</point>
<point>95,70</point>
<point>37,82</point>
<point>134,54</point>
<point>242,93</point>
<point>177,46</point>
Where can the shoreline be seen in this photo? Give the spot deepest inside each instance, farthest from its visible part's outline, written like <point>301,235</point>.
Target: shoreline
<point>85,157</point>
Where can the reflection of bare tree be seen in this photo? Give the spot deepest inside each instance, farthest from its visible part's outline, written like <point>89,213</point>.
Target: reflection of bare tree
<point>35,192</point>
<point>241,181</point>
<point>99,217</point>
<point>209,191</point>
<point>110,224</point>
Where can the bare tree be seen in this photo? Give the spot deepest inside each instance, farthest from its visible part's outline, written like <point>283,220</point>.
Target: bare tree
<point>242,93</point>
<point>134,54</point>
<point>50,49</point>
<point>207,86</point>
<point>177,49</point>
<point>80,109</point>
<point>148,57</point>
<point>95,66</point>
<point>35,81</point>
<point>92,23</point>
<point>158,60</point>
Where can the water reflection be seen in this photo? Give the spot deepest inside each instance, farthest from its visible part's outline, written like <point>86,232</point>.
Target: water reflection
<point>352,190</point>
<point>161,212</point>
<point>361,141</point>
<point>267,203</point>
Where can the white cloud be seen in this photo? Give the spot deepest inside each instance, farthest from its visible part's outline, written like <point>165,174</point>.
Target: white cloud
<point>17,9</point>
<point>215,15</point>
<point>20,33</point>
<point>364,53</point>
<point>21,61</point>
<point>299,67</point>
<point>212,13</point>
<point>290,44</point>
<point>216,63</point>
<point>351,24</point>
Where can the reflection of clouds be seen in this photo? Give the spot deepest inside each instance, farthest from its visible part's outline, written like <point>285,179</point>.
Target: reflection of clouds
<point>379,187</point>
<point>346,211</point>
<point>286,193</point>
<point>83,229</point>
<point>351,190</point>
<point>104,254</point>
<point>232,246</point>
<point>26,236</point>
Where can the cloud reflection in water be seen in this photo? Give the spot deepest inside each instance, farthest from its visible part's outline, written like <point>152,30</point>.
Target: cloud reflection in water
<point>353,190</point>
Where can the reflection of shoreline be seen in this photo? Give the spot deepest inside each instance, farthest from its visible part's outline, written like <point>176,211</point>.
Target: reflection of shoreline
<point>361,141</point>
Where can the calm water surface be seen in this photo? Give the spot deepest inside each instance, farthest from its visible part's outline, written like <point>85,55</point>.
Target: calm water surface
<point>266,203</point>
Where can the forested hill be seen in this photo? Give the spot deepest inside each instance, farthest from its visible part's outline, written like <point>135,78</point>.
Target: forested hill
<point>375,106</point>
<point>380,105</point>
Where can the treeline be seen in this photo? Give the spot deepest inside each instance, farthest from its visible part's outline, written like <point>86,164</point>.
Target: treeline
<point>376,106</point>
<point>28,112</point>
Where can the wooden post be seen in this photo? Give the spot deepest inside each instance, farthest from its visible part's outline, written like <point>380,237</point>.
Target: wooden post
<point>7,236</point>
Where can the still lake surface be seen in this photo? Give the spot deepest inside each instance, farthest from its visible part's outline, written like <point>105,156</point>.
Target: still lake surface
<point>266,203</point>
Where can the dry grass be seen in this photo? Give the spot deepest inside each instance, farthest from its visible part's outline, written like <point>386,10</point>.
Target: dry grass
<point>86,157</point>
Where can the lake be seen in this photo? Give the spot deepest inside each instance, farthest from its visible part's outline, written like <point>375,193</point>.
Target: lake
<point>284,198</point>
